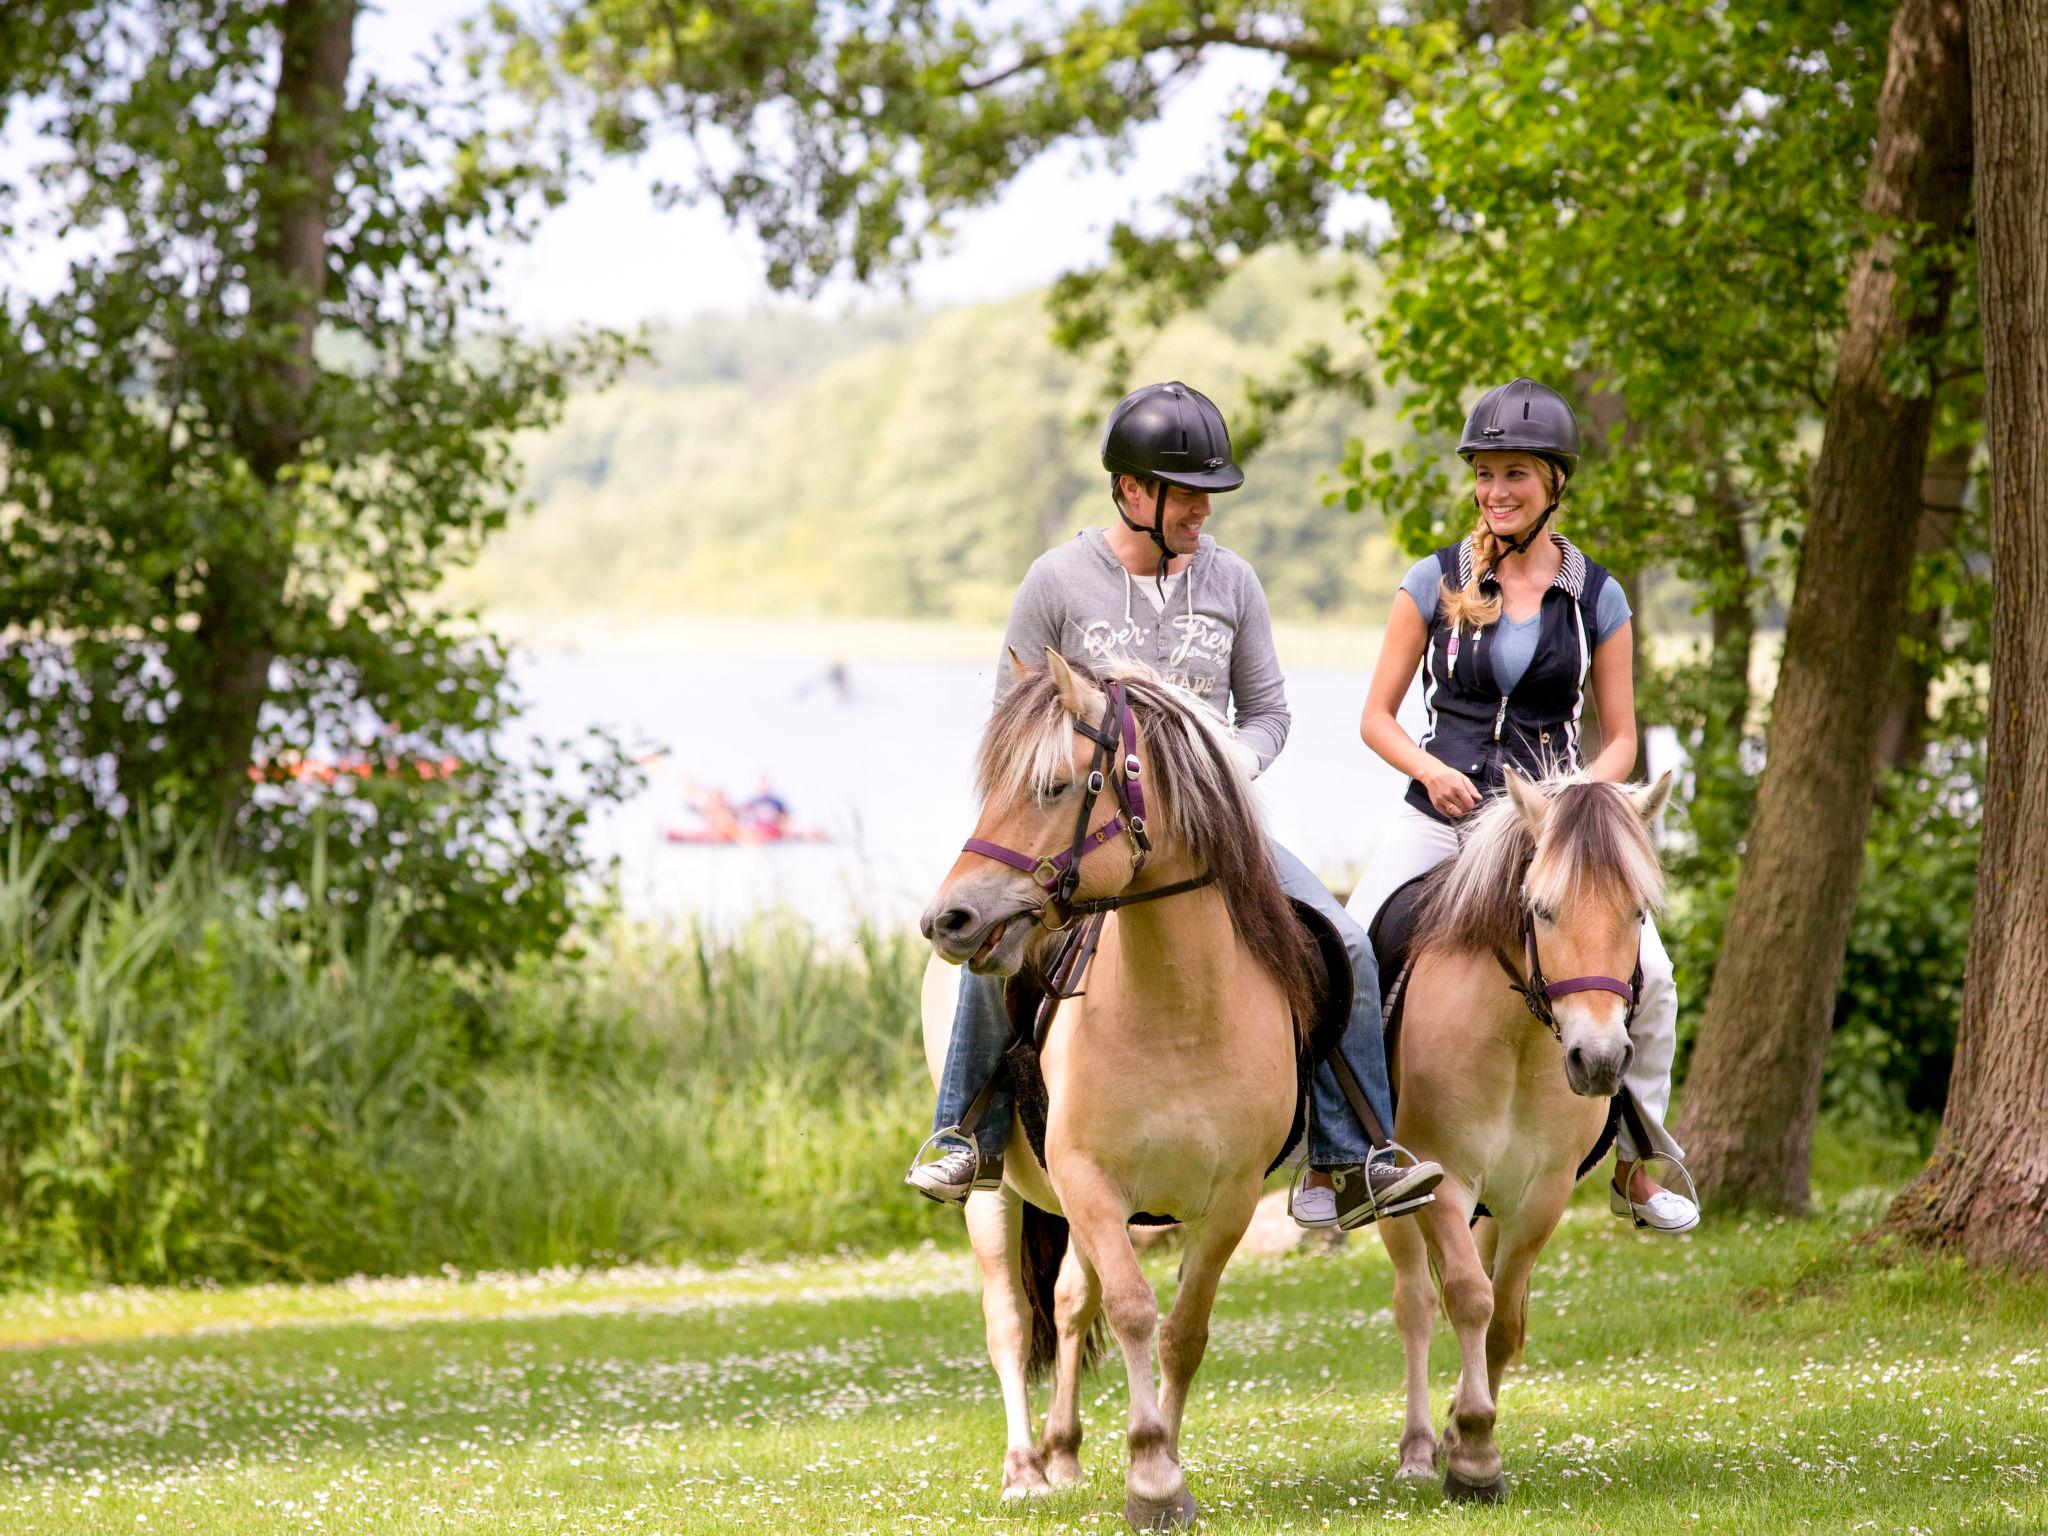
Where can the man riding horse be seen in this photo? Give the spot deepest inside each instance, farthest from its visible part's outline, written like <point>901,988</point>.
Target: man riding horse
<point>1155,589</point>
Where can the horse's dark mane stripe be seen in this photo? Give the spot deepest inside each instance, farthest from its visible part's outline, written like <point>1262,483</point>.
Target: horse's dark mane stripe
<point>1195,789</point>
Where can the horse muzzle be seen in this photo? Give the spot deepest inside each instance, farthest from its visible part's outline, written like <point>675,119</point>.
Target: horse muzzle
<point>964,933</point>
<point>1594,1069</point>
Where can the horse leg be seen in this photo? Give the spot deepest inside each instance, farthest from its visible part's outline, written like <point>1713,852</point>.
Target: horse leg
<point>1472,1461</point>
<point>1157,1495</point>
<point>1415,1316</point>
<point>995,1223</point>
<point>1076,1300</point>
<point>1186,1332</point>
<point>1521,1239</point>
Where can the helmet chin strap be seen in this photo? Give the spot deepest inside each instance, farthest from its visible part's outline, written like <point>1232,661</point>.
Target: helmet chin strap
<point>1521,546</point>
<point>1158,522</point>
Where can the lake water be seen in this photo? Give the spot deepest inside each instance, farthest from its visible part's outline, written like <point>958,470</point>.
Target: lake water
<point>885,771</point>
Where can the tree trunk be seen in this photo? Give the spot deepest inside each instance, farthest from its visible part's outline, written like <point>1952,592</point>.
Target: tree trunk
<point>1902,736</point>
<point>287,279</point>
<point>1984,1193</point>
<point>1754,1082</point>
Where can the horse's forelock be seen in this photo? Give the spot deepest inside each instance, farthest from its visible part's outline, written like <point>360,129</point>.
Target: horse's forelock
<point>1595,843</point>
<point>1028,743</point>
<point>1197,793</point>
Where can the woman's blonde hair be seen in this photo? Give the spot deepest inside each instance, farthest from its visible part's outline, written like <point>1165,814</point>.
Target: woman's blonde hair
<point>1466,605</point>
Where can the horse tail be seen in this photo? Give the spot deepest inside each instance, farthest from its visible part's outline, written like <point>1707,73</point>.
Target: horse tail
<point>1044,1249</point>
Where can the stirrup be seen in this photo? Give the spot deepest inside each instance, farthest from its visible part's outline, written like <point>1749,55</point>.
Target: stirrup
<point>1691,1191</point>
<point>955,1136</point>
<point>1392,1151</point>
<point>1300,1181</point>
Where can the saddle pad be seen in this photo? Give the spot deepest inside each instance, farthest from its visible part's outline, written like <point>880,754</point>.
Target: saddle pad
<point>1393,927</point>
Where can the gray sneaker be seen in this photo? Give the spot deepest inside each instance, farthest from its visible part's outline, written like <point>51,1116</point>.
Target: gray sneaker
<point>952,1177</point>
<point>1368,1192</point>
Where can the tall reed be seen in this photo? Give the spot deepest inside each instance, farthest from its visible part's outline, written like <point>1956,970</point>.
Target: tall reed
<point>199,1081</point>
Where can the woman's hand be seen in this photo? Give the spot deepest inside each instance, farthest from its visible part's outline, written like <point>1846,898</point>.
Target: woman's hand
<point>1449,790</point>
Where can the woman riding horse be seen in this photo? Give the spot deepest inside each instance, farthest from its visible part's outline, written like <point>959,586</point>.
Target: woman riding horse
<point>1507,625</point>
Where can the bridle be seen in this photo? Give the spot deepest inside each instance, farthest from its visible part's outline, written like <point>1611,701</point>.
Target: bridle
<point>1059,875</point>
<point>1539,993</point>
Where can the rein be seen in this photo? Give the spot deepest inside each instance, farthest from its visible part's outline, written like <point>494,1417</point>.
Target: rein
<point>1538,994</point>
<point>1059,875</point>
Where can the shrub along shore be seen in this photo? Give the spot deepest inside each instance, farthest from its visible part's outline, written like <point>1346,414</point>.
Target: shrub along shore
<point>196,1081</point>
<point>202,1081</point>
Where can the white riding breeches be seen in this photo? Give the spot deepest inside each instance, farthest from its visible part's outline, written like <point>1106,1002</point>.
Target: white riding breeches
<point>1414,844</point>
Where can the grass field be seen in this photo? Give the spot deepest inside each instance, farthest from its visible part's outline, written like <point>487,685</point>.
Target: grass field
<point>1760,1377</point>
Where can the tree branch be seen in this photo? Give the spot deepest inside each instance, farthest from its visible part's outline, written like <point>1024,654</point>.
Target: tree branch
<point>1300,50</point>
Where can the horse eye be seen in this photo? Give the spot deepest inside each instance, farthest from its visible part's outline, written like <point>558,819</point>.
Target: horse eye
<point>1054,791</point>
<point>1541,913</point>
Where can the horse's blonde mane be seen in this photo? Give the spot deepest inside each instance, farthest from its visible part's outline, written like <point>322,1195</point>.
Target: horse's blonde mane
<point>1199,794</point>
<point>1594,845</point>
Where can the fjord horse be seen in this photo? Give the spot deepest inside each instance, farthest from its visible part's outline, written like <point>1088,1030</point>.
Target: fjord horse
<point>1170,1079</point>
<point>1550,884</point>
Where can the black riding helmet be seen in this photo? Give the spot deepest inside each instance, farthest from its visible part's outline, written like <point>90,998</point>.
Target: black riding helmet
<point>1174,435</point>
<point>1525,417</point>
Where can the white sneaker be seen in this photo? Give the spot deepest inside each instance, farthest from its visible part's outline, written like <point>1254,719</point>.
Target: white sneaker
<point>1313,1207</point>
<point>1664,1211</point>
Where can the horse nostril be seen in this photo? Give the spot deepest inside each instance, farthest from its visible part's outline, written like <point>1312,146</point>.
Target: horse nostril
<point>1575,1058</point>
<point>956,920</point>
<point>1628,1055</point>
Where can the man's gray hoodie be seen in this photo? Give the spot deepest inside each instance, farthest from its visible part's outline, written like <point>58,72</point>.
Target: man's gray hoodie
<point>1214,637</point>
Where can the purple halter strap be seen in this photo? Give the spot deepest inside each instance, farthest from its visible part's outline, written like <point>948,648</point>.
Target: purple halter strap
<point>1539,993</point>
<point>1059,875</point>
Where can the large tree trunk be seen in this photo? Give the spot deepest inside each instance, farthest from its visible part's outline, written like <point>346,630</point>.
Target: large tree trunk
<point>287,278</point>
<point>1984,1192</point>
<point>1754,1082</point>
<point>1902,735</point>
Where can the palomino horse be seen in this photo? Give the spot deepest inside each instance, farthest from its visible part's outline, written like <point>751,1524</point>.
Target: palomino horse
<point>1170,1078</point>
<point>1557,875</point>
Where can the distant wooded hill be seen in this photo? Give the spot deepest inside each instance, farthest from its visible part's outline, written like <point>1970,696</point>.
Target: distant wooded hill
<point>912,464</point>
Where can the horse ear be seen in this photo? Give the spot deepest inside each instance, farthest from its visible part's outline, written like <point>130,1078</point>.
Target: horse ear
<point>1651,800</point>
<point>1080,699</point>
<point>1528,800</point>
<point>1018,671</point>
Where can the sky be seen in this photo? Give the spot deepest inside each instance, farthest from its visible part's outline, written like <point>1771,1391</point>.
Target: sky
<point>609,256</point>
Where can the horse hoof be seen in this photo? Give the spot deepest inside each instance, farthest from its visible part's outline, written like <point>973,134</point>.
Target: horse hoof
<point>1173,1515</point>
<point>1024,1476</point>
<point>1458,1491</point>
<point>1063,1469</point>
<point>1415,1473</point>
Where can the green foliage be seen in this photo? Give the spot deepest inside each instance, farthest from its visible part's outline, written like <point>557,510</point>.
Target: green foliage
<point>878,122</point>
<point>196,1082</point>
<point>227,501</point>
<point>940,453</point>
<point>1902,978</point>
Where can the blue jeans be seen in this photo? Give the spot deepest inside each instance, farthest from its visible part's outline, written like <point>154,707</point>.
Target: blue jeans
<point>981,1032</point>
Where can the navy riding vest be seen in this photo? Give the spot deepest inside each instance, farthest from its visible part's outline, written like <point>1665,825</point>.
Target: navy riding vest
<point>1476,728</point>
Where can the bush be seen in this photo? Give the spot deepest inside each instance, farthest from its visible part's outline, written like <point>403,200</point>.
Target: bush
<point>1902,977</point>
<point>195,1081</point>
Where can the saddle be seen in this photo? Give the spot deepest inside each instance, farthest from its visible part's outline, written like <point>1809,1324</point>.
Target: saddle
<point>1033,993</point>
